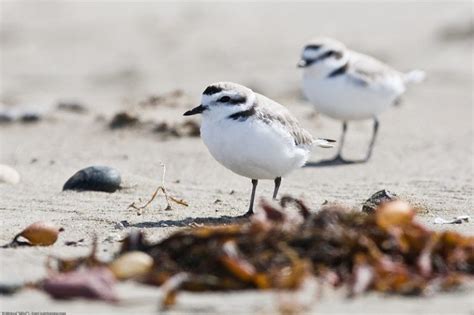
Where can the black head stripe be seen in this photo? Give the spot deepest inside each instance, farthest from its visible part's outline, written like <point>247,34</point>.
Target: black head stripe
<point>243,115</point>
<point>212,89</point>
<point>325,55</point>
<point>314,47</point>
<point>238,100</point>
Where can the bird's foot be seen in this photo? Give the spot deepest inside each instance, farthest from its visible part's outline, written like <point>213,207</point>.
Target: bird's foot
<point>338,160</point>
<point>248,214</point>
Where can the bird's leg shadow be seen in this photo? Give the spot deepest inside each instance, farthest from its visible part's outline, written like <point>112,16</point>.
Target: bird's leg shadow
<point>337,161</point>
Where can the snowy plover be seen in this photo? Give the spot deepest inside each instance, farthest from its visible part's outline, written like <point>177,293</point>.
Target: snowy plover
<point>346,85</point>
<point>252,135</point>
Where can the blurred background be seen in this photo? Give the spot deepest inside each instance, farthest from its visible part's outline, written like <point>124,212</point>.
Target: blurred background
<point>108,52</point>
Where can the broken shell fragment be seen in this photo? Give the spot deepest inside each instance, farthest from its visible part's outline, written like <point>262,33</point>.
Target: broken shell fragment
<point>131,265</point>
<point>40,233</point>
<point>96,283</point>
<point>456,220</point>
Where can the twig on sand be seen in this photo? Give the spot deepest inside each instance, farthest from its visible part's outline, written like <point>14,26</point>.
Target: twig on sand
<point>161,188</point>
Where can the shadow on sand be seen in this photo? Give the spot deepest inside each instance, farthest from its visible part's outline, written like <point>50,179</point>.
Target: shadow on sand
<point>334,162</point>
<point>188,222</point>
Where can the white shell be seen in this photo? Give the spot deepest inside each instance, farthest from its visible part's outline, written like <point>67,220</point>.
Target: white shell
<point>8,175</point>
<point>131,265</point>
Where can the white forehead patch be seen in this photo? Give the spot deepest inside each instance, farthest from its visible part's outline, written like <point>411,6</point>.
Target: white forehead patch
<point>207,99</point>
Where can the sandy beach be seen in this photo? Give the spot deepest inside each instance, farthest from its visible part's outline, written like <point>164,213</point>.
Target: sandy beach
<point>110,56</point>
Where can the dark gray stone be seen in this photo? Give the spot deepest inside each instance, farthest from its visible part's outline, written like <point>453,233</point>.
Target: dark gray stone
<point>377,199</point>
<point>6,117</point>
<point>97,178</point>
<point>30,117</point>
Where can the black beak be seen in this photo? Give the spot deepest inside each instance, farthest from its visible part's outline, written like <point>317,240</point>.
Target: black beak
<point>196,110</point>
<point>302,63</point>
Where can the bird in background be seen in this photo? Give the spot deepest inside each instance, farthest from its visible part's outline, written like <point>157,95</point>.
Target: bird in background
<point>348,86</point>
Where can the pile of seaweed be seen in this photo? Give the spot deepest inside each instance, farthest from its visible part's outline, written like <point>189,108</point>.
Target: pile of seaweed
<point>278,248</point>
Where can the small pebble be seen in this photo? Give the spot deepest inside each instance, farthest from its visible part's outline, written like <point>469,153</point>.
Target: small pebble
<point>6,117</point>
<point>10,288</point>
<point>19,115</point>
<point>73,107</point>
<point>28,117</point>
<point>121,225</point>
<point>9,175</point>
<point>97,178</point>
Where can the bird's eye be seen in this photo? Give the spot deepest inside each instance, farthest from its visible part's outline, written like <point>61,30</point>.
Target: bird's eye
<point>224,99</point>
<point>337,54</point>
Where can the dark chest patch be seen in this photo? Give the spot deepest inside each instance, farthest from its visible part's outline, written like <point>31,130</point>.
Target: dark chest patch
<point>339,71</point>
<point>243,115</point>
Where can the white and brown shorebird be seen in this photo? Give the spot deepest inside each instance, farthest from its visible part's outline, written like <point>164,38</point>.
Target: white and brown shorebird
<point>252,135</point>
<point>347,85</point>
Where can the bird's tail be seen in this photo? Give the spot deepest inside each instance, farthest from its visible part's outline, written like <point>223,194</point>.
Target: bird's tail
<point>324,143</point>
<point>414,76</point>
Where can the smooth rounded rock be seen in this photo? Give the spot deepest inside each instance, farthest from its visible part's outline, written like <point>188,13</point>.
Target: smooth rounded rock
<point>97,178</point>
<point>9,175</point>
<point>6,117</point>
<point>131,265</point>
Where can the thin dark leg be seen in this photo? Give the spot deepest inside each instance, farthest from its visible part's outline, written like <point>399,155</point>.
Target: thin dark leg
<point>277,186</point>
<point>372,142</point>
<point>252,197</point>
<point>341,141</point>
<point>338,159</point>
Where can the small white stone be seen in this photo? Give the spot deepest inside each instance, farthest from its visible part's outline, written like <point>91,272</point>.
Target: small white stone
<point>8,175</point>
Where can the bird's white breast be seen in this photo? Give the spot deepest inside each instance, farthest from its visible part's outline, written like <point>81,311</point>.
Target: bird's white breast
<point>252,148</point>
<point>343,98</point>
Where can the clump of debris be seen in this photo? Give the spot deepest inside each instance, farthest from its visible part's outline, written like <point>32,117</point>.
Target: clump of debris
<point>171,99</point>
<point>187,128</point>
<point>124,119</point>
<point>386,250</point>
<point>148,107</point>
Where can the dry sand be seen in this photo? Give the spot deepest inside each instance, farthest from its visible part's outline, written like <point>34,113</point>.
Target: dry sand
<point>110,55</point>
